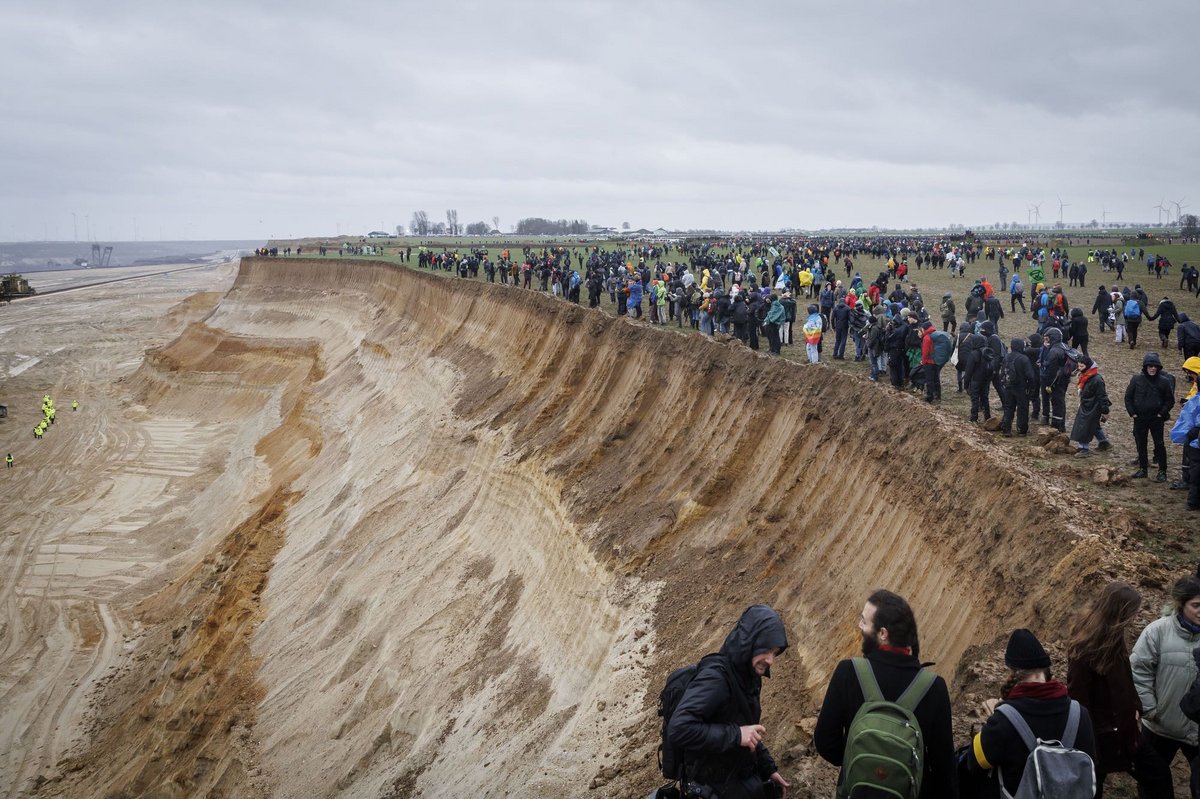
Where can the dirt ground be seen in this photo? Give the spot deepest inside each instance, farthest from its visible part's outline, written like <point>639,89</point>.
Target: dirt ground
<point>346,529</point>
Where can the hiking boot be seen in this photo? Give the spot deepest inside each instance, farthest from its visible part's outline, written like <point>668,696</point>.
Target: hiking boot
<point>1161,477</point>
<point>1178,485</point>
<point>1138,475</point>
<point>1083,453</point>
<point>1046,420</point>
<point>1104,446</point>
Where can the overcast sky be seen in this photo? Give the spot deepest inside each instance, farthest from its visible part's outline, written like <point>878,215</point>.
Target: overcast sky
<point>251,119</point>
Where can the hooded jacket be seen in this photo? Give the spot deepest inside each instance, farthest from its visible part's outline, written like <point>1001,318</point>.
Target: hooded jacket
<point>1054,361</point>
<point>724,696</point>
<point>1149,397</point>
<point>1019,369</point>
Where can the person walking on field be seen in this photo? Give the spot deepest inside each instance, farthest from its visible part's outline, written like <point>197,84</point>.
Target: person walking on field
<point>1164,669</point>
<point>8,460</point>
<point>1148,400</point>
<point>1094,406</point>
<point>1100,678</point>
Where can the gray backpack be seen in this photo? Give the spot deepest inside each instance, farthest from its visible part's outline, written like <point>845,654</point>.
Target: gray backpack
<point>1054,769</point>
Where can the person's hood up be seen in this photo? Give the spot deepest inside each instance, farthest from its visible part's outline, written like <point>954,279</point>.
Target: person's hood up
<point>1017,345</point>
<point>1151,359</point>
<point>1183,318</point>
<point>1077,312</point>
<point>987,329</point>
<point>1055,335</point>
<point>947,295</point>
<point>758,630</point>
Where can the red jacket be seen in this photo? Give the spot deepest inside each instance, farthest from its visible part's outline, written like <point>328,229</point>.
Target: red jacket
<point>927,347</point>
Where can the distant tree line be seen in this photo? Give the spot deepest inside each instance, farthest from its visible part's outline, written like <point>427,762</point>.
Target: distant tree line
<point>536,226</point>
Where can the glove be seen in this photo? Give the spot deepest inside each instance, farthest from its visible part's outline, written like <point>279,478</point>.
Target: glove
<point>1193,434</point>
<point>1047,390</point>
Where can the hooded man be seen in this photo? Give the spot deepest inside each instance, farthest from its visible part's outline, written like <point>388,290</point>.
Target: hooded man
<point>1189,337</point>
<point>1019,383</point>
<point>1149,398</point>
<point>1054,377</point>
<point>949,313</point>
<point>716,722</point>
<point>1167,316</point>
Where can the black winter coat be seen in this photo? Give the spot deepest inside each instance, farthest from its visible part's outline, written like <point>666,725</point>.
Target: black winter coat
<point>894,672</point>
<point>1149,398</point>
<point>724,696</point>
<point>1021,374</point>
<point>1093,403</point>
<point>1003,748</point>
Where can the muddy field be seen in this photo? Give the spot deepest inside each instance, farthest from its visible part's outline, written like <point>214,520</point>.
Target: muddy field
<point>346,529</point>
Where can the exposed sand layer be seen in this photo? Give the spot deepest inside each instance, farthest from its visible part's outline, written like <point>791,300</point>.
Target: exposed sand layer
<point>362,531</point>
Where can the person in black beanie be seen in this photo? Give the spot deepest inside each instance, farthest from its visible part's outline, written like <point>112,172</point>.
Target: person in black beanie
<point>1042,702</point>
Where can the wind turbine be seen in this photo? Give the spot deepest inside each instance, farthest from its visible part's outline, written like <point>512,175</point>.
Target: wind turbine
<point>1037,213</point>
<point>1178,209</point>
<point>1104,216</point>
<point>1061,206</point>
<point>1160,207</point>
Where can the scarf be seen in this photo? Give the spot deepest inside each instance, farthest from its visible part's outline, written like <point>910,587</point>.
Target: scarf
<point>1087,374</point>
<point>1051,689</point>
<point>1187,625</point>
<point>895,650</point>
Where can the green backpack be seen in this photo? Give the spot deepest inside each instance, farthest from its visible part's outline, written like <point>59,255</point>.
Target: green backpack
<point>885,750</point>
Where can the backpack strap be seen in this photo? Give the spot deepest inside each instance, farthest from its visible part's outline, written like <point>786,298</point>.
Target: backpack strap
<point>1068,738</point>
<point>1019,724</point>
<point>867,681</point>
<point>916,690</point>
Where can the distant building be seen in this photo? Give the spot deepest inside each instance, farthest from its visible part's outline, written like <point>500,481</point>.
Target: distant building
<point>378,234</point>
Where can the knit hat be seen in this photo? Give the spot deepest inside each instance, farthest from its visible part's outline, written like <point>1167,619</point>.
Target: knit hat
<point>1025,652</point>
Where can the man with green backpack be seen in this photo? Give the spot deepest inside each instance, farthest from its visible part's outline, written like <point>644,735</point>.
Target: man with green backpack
<point>886,719</point>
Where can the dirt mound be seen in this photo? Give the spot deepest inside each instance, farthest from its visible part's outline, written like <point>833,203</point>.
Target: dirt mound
<point>489,523</point>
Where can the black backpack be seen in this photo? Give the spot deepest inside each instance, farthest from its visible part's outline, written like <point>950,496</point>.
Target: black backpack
<point>670,758</point>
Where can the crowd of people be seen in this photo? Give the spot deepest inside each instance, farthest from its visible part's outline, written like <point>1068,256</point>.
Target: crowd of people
<point>887,721</point>
<point>755,290</point>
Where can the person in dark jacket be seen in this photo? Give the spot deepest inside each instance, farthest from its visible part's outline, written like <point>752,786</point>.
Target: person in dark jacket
<point>1033,350</point>
<point>1100,678</point>
<point>1094,406</point>
<point>896,342</point>
<point>976,374</point>
<point>1054,378</point>
<point>964,333</point>
<point>988,331</point>
<point>1020,380</point>
<point>1077,330</point>
<point>994,311</point>
<point>716,722</point>
<point>1043,703</point>
<point>1149,398</point>
<point>892,648</point>
<point>739,314</point>
<point>1102,306</point>
<point>1167,316</point>
<point>1188,336</point>
<point>839,319</point>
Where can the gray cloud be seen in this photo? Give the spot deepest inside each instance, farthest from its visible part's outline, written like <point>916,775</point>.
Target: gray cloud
<point>245,120</point>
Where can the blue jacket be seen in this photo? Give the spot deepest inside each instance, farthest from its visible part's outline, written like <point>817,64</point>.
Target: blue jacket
<point>635,295</point>
<point>1189,417</point>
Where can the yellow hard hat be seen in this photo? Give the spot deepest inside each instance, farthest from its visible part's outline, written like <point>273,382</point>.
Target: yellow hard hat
<point>1192,365</point>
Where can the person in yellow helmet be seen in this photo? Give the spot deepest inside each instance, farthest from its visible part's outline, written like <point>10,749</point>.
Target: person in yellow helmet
<point>1191,373</point>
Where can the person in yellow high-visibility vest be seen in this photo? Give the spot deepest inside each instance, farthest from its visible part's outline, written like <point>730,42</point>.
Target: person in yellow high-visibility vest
<point>74,405</point>
<point>8,460</point>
